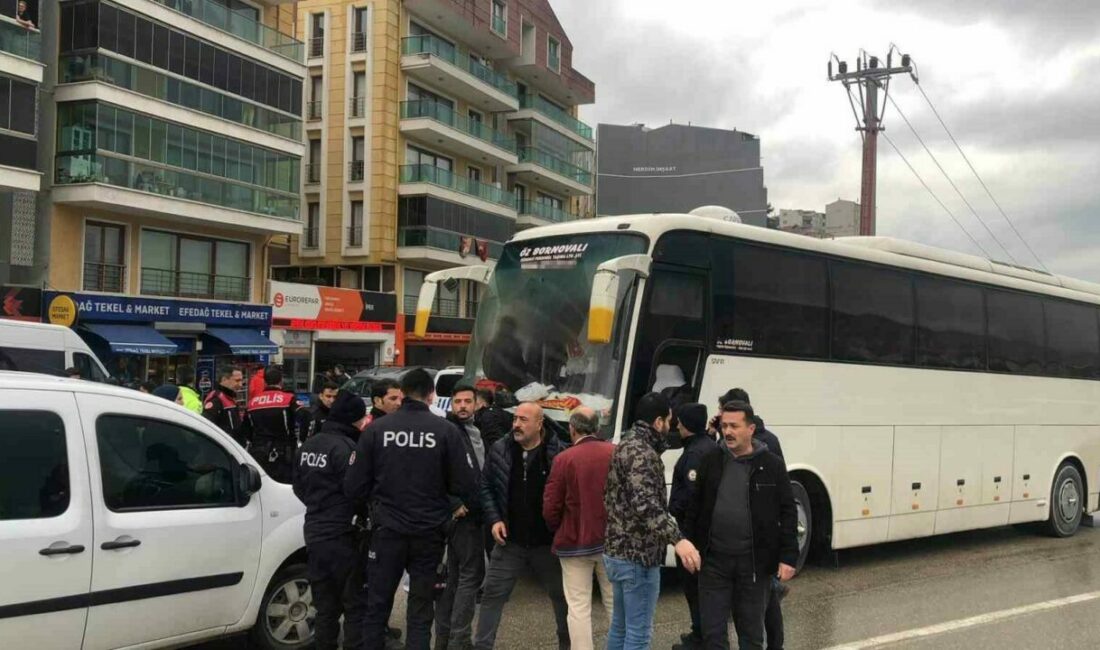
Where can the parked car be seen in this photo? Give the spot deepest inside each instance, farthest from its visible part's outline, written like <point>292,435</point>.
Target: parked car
<point>361,383</point>
<point>445,382</point>
<point>48,349</point>
<point>126,520</point>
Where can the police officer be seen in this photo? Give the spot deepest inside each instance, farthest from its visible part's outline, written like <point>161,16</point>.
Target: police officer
<point>272,417</point>
<point>311,419</point>
<point>335,569</point>
<point>406,466</point>
<point>220,405</point>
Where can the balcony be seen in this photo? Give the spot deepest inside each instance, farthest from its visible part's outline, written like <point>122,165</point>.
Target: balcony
<point>104,277</point>
<point>21,51</point>
<point>355,236</point>
<point>467,22</point>
<point>313,173</point>
<point>314,110</point>
<point>417,180</point>
<point>534,107</point>
<point>183,284</point>
<point>355,171</point>
<point>437,248</point>
<point>435,62</point>
<point>440,126</point>
<point>546,170</point>
<point>359,42</point>
<point>538,213</point>
<point>317,47</point>
<point>310,238</point>
<point>220,17</point>
<point>357,107</point>
<point>118,184</point>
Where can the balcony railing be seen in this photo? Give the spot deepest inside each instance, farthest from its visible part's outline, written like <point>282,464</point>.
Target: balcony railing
<point>316,47</point>
<point>355,236</point>
<point>426,44</point>
<point>310,238</point>
<point>100,276</point>
<point>355,170</point>
<point>175,183</point>
<point>313,173</point>
<point>445,240</point>
<point>148,82</point>
<point>20,41</point>
<point>500,26</point>
<point>314,110</point>
<point>184,284</point>
<point>359,42</point>
<point>357,107</point>
<point>544,211</point>
<point>217,15</point>
<point>540,105</point>
<point>448,179</point>
<point>446,115</point>
<point>557,165</point>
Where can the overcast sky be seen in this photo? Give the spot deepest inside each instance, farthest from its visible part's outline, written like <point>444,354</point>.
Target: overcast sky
<point>1017,81</point>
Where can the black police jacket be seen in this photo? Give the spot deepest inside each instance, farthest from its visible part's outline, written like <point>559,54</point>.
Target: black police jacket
<point>310,421</point>
<point>686,472</point>
<point>272,416</point>
<point>319,470</point>
<point>220,407</point>
<point>406,466</point>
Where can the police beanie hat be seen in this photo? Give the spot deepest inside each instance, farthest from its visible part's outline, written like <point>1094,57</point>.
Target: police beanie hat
<point>348,408</point>
<point>693,416</point>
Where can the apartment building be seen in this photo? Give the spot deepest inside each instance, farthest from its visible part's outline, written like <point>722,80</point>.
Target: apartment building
<point>434,130</point>
<point>842,218</point>
<point>176,158</point>
<point>21,73</point>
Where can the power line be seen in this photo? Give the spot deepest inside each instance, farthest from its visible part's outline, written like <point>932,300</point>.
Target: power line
<point>978,176</point>
<point>929,189</point>
<point>952,182</point>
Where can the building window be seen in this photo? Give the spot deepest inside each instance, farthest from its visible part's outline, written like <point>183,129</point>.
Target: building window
<point>419,157</point>
<point>313,167</point>
<point>355,227</point>
<point>553,54</point>
<point>359,94</point>
<point>473,173</point>
<point>446,300</point>
<point>355,171</point>
<point>316,97</point>
<point>360,27</point>
<point>500,18</point>
<point>104,257</point>
<point>18,105</point>
<point>311,231</point>
<point>379,278</point>
<point>473,298</point>
<point>193,267</point>
<point>317,35</point>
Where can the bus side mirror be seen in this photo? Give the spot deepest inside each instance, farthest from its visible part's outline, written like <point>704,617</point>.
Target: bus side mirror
<point>605,294</point>
<point>479,274</point>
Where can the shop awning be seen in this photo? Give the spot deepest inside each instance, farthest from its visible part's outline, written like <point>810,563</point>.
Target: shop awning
<point>132,339</point>
<point>241,340</point>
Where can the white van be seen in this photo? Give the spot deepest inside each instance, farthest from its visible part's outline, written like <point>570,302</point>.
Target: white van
<point>127,521</point>
<point>48,349</point>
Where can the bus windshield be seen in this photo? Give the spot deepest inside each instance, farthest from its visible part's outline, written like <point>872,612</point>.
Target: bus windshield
<point>531,330</point>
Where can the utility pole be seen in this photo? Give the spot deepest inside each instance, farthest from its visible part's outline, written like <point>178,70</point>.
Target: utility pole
<point>868,78</point>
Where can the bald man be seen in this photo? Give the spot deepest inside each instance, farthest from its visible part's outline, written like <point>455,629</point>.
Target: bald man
<point>515,477</point>
<point>573,507</point>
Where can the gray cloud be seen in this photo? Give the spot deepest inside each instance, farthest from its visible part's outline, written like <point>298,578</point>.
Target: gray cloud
<point>1053,24</point>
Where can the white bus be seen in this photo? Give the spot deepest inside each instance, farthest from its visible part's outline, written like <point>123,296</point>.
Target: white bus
<point>916,391</point>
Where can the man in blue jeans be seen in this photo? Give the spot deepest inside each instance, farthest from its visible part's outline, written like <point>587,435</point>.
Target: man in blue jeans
<point>639,527</point>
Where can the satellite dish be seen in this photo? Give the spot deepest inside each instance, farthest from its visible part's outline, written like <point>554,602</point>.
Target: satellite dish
<point>717,212</point>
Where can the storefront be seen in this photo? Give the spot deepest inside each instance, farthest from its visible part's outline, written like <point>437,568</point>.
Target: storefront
<point>444,344</point>
<point>149,338</point>
<point>323,326</point>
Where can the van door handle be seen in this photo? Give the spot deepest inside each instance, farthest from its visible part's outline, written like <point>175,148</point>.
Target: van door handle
<point>121,542</point>
<point>72,549</point>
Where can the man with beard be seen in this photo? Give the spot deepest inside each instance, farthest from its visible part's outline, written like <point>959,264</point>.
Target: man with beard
<point>385,397</point>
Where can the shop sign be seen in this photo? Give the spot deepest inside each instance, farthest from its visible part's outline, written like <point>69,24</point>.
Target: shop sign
<point>438,337</point>
<point>124,309</point>
<point>21,303</point>
<point>297,343</point>
<point>309,307</point>
<point>62,311</point>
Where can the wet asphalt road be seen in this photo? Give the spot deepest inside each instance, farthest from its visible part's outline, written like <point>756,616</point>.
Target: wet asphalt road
<point>891,589</point>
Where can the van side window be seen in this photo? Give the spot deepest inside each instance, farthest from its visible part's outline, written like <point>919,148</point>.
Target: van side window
<point>34,469</point>
<point>88,368</point>
<point>50,362</point>
<point>154,465</point>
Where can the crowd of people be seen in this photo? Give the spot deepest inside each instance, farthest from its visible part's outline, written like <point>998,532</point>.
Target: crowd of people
<point>466,505</point>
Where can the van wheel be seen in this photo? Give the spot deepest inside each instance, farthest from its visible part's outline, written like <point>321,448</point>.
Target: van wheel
<point>285,621</point>
<point>1067,505</point>
<point>804,526</point>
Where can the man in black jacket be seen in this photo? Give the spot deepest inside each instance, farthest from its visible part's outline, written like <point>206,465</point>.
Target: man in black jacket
<point>743,518</point>
<point>406,467</point>
<point>335,572</point>
<point>692,424</point>
<point>385,398</point>
<point>310,420</point>
<point>271,419</point>
<point>514,480</point>
<point>493,421</point>
<point>220,404</point>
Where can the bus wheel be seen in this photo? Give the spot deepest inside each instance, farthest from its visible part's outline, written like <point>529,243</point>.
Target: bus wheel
<point>1067,502</point>
<point>804,527</point>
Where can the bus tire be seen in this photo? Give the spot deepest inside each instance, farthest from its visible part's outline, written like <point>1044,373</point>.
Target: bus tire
<point>1067,505</point>
<point>805,522</point>
<point>285,620</point>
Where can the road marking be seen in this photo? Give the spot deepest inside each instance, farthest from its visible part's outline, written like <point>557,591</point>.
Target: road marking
<point>963,623</point>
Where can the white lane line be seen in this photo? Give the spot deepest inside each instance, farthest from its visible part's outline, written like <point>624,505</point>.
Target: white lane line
<point>963,623</point>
